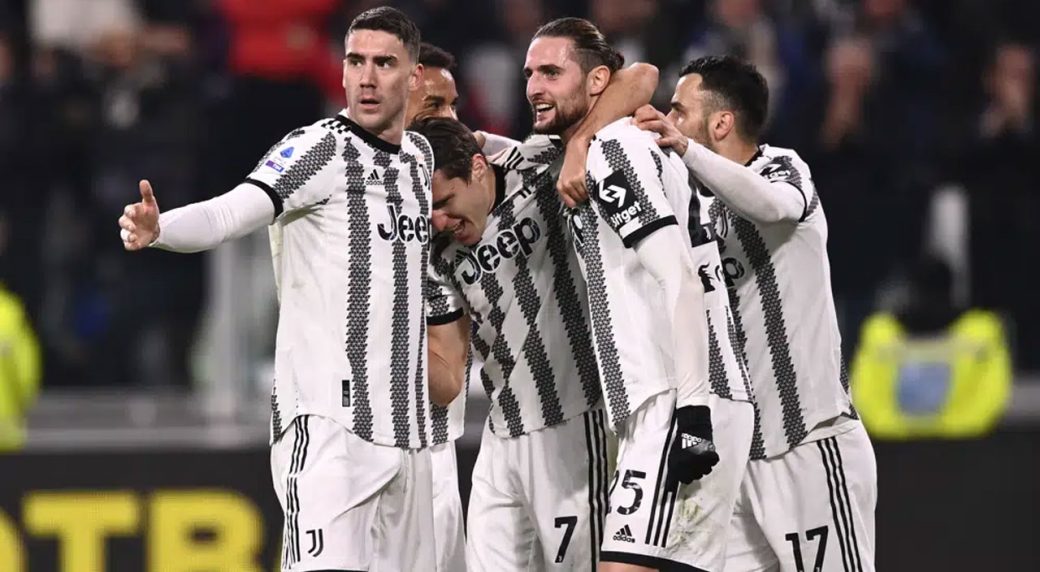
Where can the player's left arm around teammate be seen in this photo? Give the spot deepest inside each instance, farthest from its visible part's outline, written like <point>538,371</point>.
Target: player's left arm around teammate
<point>446,349</point>
<point>628,90</point>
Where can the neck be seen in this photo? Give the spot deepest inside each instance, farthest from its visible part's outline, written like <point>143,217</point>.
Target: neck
<point>574,129</point>
<point>392,132</point>
<point>738,150</point>
<point>490,188</point>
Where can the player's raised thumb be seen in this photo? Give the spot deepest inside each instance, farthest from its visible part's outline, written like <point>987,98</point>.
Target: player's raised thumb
<point>147,196</point>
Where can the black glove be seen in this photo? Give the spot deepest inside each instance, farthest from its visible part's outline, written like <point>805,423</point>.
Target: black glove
<point>693,453</point>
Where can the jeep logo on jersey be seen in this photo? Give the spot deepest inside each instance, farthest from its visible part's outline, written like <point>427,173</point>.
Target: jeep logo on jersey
<point>709,273</point>
<point>733,269</point>
<point>514,241</point>
<point>403,227</point>
<point>617,200</point>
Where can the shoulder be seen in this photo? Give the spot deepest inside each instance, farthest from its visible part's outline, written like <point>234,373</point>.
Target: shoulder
<point>781,164</point>
<point>417,145</point>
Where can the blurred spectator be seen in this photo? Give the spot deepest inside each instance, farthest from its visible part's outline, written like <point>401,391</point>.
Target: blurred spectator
<point>624,23</point>
<point>282,67</point>
<point>744,29</point>
<point>19,370</point>
<point>494,93</point>
<point>999,170</point>
<point>931,369</point>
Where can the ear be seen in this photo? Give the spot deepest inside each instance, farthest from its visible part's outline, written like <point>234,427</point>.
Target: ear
<point>415,79</point>
<point>598,79</point>
<point>344,80</point>
<point>722,124</point>
<point>478,166</point>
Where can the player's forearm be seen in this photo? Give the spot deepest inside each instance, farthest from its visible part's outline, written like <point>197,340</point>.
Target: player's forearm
<point>629,89</point>
<point>745,191</point>
<point>496,143</point>
<point>204,225</point>
<point>663,254</point>
<point>445,378</point>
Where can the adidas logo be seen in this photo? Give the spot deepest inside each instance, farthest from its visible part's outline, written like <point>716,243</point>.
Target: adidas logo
<point>373,178</point>
<point>689,440</point>
<point>624,535</point>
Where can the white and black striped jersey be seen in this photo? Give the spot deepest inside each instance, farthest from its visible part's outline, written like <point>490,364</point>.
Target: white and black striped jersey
<point>778,276</point>
<point>351,243</point>
<point>522,287</point>
<point>630,323</point>
<point>727,371</point>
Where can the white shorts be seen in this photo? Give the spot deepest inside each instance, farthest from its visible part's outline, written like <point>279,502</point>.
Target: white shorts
<point>683,527</point>
<point>447,510</point>
<point>538,500</point>
<point>810,509</point>
<point>350,504</point>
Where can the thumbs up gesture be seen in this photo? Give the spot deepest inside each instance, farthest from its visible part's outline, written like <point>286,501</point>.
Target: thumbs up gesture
<point>140,221</point>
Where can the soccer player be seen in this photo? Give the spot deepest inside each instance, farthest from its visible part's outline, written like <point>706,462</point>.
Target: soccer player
<point>437,96</point>
<point>807,501</point>
<point>349,198</point>
<point>504,260</point>
<point>648,317</point>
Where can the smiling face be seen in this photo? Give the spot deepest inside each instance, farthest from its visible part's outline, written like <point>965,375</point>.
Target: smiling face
<point>556,85</point>
<point>461,208</point>
<point>437,96</point>
<point>377,76</point>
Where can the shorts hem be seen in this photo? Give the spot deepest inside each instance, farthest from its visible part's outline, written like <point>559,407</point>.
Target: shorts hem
<point>647,561</point>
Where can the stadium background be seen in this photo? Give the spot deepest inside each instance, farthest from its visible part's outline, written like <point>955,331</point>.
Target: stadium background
<point>147,447</point>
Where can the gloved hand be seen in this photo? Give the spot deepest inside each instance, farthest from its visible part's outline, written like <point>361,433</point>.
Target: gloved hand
<point>693,452</point>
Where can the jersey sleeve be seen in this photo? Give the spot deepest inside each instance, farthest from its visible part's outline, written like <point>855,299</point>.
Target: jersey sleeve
<point>787,170</point>
<point>443,302</point>
<point>299,171</point>
<point>625,184</point>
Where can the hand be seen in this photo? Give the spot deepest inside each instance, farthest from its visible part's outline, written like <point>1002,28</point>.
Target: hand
<point>481,138</point>
<point>693,453</point>
<point>650,119</point>
<point>571,184</point>
<point>140,221</point>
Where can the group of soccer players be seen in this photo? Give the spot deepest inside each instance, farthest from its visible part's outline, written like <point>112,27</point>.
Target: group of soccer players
<point>645,298</point>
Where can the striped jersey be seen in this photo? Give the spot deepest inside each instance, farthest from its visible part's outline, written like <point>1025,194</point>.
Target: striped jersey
<point>627,182</point>
<point>778,277</point>
<point>727,371</point>
<point>351,243</point>
<point>522,287</point>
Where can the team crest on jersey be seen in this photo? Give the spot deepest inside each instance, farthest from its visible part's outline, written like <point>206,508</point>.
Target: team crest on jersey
<point>776,172</point>
<point>710,274</point>
<point>512,242</point>
<point>617,200</point>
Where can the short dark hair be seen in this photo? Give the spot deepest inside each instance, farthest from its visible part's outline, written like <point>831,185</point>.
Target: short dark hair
<point>590,45</point>
<point>453,145</point>
<point>433,57</point>
<point>739,87</point>
<point>393,21</point>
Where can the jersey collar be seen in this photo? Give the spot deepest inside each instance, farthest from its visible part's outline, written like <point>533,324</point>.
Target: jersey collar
<point>365,136</point>
<point>500,185</point>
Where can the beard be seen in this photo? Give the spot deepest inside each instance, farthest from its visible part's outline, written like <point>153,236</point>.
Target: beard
<point>563,119</point>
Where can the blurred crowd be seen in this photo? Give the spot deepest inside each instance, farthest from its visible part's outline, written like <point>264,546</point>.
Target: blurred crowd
<point>887,100</point>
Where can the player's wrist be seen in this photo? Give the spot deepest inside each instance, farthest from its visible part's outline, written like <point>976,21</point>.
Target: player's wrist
<point>695,419</point>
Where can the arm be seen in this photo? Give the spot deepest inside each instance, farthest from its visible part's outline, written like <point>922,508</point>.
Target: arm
<point>629,89</point>
<point>491,144</point>
<point>448,344</point>
<point>664,256</point>
<point>753,196</point>
<point>198,226</point>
